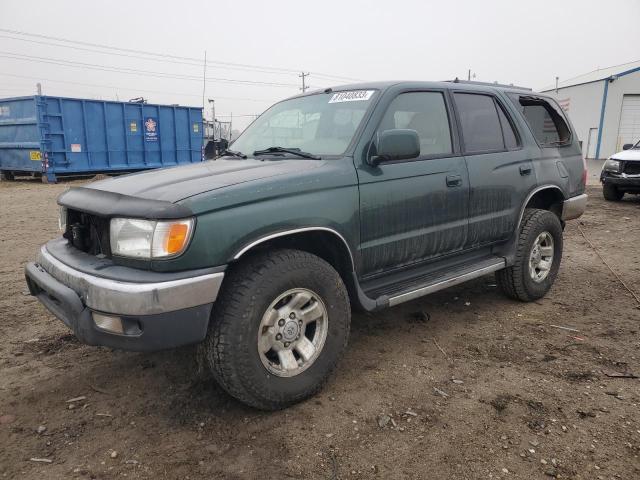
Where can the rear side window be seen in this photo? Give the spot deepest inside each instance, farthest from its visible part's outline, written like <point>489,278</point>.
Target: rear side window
<point>481,129</point>
<point>424,112</point>
<point>546,122</point>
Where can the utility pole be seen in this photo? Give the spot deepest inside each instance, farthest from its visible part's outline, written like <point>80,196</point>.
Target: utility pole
<point>230,126</point>
<point>304,84</point>
<point>213,117</point>
<point>469,75</point>
<point>204,78</point>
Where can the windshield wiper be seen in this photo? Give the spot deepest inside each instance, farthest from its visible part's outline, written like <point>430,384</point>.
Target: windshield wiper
<point>292,151</point>
<point>232,153</point>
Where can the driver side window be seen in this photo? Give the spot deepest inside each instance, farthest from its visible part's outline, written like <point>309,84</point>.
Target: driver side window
<point>424,112</point>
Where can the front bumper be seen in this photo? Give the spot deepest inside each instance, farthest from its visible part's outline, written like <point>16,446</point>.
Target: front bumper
<point>158,310</point>
<point>574,207</point>
<point>621,180</point>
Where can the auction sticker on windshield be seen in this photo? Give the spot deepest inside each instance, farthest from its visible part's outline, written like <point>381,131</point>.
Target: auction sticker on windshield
<point>351,96</point>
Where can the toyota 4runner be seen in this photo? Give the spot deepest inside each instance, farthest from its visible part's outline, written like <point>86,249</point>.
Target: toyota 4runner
<point>362,196</point>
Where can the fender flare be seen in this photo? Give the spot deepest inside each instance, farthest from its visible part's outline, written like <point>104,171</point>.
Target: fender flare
<point>530,196</point>
<point>294,231</point>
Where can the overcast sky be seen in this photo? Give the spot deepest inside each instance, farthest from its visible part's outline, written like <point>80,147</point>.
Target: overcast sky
<point>525,43</point>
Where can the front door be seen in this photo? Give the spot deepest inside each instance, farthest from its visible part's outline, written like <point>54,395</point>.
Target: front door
<point>414,210</point>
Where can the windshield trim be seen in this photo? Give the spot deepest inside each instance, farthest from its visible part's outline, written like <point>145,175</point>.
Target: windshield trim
<point>356,135</point>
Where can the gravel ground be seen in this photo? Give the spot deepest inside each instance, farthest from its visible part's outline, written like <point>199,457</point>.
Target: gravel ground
<point>463,384</point>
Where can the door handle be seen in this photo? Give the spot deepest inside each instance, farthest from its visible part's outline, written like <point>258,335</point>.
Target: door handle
<point>454,180</point>
<point>525,170</point>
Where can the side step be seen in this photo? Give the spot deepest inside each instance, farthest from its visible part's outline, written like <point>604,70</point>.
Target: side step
<point>423,285</point>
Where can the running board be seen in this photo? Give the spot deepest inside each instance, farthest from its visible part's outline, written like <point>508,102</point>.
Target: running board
<point>444,281</point>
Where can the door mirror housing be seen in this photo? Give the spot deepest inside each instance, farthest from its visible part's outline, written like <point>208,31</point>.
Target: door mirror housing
<point>397,144</point>
<point>627,146</point>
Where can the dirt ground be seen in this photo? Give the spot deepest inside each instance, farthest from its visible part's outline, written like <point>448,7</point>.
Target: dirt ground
<point>463,384</point>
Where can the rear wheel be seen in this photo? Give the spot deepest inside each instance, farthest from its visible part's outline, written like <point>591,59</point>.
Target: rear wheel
<point>537,259</point>
<point>611,193</point>
<point>278,328</point>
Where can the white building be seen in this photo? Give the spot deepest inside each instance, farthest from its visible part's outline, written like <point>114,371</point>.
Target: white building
<point>604,107</point>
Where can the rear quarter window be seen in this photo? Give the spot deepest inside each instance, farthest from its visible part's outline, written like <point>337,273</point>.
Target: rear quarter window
<point>546,121</point>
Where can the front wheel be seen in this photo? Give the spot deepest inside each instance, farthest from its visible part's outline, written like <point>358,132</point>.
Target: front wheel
<point>537,259</point>
<point>611,193</point>
<point>278,328</point>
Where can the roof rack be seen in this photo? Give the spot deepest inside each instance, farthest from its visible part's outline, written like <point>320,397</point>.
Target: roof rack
<point>488,84</point>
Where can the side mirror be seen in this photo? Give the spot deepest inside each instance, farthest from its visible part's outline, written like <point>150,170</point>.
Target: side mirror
<point>397,144</point>
<point>627,146</point>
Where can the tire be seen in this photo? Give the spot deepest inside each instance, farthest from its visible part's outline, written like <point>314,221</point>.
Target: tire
<point>519,281</point>
<point>6,176</point>
<point>231,348</point>
<point>611,193</point>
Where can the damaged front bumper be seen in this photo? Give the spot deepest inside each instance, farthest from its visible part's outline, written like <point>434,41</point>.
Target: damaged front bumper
<point>625,182</point>
<point>152,310</point>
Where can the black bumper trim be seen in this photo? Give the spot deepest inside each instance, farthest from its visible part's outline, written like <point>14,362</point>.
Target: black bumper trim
<point>158,331</point>
<point>632,183</point>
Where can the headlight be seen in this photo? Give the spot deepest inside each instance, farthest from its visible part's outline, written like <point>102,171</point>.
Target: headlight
<point>62,219</point>
<point>131,237</point>
<point>611,165</point>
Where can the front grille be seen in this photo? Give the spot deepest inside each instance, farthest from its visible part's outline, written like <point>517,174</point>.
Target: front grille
<point>631,168</point>
<point>88,233</point>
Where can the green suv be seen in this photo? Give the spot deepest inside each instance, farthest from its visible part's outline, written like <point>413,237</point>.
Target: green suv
<point>363,196</point>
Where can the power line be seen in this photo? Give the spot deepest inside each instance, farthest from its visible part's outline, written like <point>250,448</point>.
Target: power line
<point>210,64</point>
<point>115,87</point>
<point>144,52</point>
<point>133,71</point>
<point>168,56</point>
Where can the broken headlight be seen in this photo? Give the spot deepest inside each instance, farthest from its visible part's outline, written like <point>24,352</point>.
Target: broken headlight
<point>611,165</point>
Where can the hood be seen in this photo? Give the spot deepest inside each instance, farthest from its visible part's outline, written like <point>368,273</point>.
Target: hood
<point>627,155</point>
<point>178,183</point>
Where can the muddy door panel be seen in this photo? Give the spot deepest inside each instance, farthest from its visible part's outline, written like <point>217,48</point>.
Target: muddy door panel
<point>499,184</point>
<point>501,173</point>
<point>412,211</point>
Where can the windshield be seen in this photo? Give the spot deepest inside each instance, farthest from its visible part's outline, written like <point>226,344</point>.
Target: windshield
<point>636,146</point>
<point>321,124</point>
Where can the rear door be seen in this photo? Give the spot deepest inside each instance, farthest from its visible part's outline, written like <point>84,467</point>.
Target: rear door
<point>414,210</point>
<point>500,170</point>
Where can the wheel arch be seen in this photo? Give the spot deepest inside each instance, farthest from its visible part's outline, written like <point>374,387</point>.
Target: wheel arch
<point>545,197</point>
<point>324,242</point>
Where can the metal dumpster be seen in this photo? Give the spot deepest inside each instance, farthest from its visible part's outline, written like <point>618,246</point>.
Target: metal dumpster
<point>52,136</point>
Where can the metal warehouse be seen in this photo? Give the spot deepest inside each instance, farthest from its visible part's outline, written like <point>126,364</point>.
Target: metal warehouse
<point>604,107</point>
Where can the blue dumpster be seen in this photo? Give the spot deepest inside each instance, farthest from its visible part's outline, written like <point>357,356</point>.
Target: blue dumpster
<point>56,136</point>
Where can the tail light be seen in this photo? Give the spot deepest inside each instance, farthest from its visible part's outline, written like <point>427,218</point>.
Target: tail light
<point>584,171</point>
